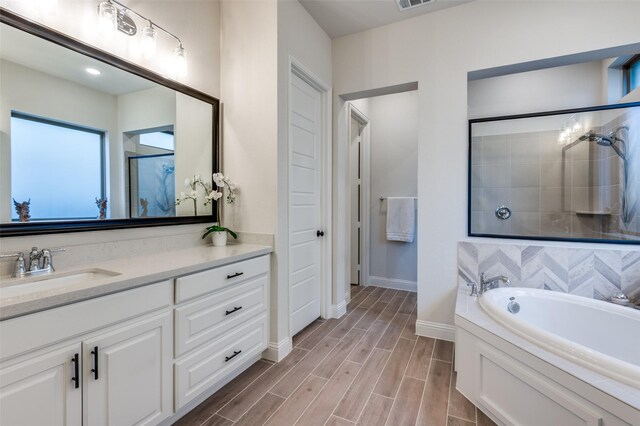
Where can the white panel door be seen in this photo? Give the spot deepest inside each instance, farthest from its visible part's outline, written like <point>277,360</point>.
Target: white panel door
<point>42,390</point>
<point>128,374</point>
<point>305,203</point>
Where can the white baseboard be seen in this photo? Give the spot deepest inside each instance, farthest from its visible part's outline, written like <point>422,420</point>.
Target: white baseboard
<point>339,310</point>
<point>393,283</point>
<point>436,330</point>
<point>277,351</point>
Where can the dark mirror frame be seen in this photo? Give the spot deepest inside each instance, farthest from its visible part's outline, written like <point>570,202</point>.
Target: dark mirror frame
<point>36,228</point>
<point>532,115</point>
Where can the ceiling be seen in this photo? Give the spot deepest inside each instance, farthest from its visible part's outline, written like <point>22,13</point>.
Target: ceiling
<point>342,17</point>
<point>33,52</point>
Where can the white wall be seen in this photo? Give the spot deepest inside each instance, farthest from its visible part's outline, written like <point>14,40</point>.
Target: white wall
<point>566,87</point>
<point>144,109</point>
<point>301,38</point>
<point>32,92</point>
<point>196,23</point>
<point>193,136</point>
<point>438,50</point>
<point>257,38</point>
<point>394,173</point>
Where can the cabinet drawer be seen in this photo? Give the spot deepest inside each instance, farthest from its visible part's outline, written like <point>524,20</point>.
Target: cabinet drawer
<point>29,332</point>
<point>202,283</point>
<point>206,366</point>
<point>205,319</point>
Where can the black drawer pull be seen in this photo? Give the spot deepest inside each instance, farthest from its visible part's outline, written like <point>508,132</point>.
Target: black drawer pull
<point>237,274</point>
<point>94,370</point>
<point>236,308</point>
<point>229,358</point>
<point>76,371</point>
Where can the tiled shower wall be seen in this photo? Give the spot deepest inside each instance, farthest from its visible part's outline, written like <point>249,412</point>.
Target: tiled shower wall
<point>585,272</point>
<point>554,190</point>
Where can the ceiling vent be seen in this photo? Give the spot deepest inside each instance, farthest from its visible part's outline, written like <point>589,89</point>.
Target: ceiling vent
<point>409,4</point>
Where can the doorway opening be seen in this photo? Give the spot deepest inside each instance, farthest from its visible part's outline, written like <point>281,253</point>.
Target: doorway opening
<point>382,136</point>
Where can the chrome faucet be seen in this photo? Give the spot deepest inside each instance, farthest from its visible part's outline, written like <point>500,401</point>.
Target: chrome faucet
<point>491,283</point>
<point>35,267</point>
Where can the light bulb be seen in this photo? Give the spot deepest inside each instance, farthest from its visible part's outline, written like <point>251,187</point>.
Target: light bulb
<point>180,61</point>
<point>107,18</point>
<point>148,41</point>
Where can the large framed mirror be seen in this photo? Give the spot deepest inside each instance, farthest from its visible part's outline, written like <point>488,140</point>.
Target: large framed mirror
<point>571,175</point>
<point>89,141</point>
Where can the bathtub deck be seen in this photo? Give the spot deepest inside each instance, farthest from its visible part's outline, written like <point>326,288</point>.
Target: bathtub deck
<point>367,368</point>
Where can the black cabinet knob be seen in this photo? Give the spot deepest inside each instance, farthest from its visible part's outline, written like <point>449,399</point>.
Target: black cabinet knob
<point>320,233</point>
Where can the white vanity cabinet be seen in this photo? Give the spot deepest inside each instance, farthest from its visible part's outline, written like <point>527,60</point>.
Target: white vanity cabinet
<point>221,323</point>
<point>137,356</point>
<point>50,372</point>
<point>127,374</point>
<point>40,390</point>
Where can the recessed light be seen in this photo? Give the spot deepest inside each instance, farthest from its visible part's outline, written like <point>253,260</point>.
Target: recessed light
<point>93,71</point>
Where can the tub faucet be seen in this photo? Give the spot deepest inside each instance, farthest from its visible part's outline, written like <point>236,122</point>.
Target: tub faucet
<point>491,283</point>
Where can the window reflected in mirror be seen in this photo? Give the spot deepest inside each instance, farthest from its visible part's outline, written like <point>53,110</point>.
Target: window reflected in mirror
<point>41,150</point>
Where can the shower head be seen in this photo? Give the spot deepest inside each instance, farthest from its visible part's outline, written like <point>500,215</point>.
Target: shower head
<point>603,140</point>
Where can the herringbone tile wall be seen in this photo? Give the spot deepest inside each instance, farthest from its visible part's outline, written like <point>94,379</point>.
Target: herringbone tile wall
<point>585,272</point>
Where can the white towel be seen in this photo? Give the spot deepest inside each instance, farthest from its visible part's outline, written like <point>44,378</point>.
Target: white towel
<point>401,219</point>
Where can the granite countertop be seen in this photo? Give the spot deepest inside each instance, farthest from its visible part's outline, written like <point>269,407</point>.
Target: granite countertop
<point>468,308</point>
<point>132,272</point>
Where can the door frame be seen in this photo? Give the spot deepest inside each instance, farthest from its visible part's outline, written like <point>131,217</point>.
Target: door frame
<point>297,68</point>
<point>365,193</point>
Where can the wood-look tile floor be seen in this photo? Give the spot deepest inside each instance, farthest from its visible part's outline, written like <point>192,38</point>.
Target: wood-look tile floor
<point>366,368</point>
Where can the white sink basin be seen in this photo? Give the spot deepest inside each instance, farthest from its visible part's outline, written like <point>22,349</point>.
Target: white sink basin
<point>55,281</point>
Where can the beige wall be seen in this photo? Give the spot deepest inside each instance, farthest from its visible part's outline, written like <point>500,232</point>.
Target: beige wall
<point>438,50</point>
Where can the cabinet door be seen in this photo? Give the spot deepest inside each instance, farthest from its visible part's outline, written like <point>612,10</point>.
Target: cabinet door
<point>127,374</point>
<point>42,390</point>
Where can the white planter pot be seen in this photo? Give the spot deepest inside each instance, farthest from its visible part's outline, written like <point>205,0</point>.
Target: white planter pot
<point>219,238</point>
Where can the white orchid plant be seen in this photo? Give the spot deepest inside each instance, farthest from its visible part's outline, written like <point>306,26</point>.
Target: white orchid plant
<point>222,183</point>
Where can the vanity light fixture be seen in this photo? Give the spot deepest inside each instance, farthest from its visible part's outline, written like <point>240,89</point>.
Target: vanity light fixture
<point>148,42</point>
<point>107,18</point>
<point>113,15</point>
<point>93,71</point>
<point>570,130</point>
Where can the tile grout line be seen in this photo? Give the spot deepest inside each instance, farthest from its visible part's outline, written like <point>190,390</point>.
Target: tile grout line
<point>308,351</point>
<point>252,405</point>
<point>335,372</point>
<point>242,390</point>
<point>385,365</point>
<point>449,392</point>
<point>426,379</point>
<point>310,373</point>
<point>403,377</point>
<point>365,360</point>
<point>460,418</point>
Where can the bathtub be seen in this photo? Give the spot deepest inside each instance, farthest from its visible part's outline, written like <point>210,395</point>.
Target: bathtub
<point>554,359</point>
<point>595,334</point>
